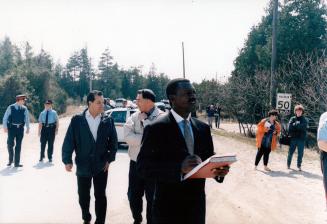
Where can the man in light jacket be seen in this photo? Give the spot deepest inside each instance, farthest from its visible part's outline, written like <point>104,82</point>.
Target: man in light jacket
<point>133,131</point>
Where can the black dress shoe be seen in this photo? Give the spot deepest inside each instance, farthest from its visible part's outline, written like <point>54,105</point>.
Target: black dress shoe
<point>9,164</point>
<point>18,165</point>
<point>41,160</point>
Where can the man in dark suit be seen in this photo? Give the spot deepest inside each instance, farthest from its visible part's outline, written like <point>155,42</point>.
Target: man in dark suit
<point>92,136</point>
<point>171,147</point>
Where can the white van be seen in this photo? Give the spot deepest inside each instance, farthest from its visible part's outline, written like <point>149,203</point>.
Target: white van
<point>120,116</point>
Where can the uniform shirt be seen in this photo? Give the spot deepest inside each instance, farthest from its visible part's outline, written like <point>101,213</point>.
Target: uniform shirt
<point>8,113</point>
<point>180,122</point>
<point>93,123</point>
<point>52,116</point>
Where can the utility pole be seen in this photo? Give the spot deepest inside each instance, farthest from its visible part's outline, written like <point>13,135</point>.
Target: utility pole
<point>183,60</point>
<point>90,74</point>
<point>273,57</point>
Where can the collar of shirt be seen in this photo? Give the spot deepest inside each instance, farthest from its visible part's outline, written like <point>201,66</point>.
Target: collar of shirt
<point>88,114</point>
<point>93,123</point>
<point>150,112</point>
<point>180,123</point>
<point>18,106</point>
<point>178,118</point>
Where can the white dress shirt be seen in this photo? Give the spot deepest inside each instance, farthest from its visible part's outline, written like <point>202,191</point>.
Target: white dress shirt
<point>180,121</point>
<point>93,123</point>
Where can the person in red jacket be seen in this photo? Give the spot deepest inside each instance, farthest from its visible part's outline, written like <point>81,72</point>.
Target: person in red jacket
<point>266,138</point>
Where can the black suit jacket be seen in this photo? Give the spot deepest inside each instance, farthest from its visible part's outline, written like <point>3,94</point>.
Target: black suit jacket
<point>162,152</point>
<point>91,155</point>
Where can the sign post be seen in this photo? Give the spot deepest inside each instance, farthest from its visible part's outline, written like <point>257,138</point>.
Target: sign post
<point>283,103</point>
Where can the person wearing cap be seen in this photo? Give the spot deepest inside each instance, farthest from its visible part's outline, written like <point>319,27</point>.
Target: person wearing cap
<point>133,132</point>
<point>297,128</point>
<point>48,129</point>
<point>14,120</point>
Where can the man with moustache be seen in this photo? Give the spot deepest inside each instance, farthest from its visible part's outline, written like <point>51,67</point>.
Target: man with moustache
<point>171,147</point>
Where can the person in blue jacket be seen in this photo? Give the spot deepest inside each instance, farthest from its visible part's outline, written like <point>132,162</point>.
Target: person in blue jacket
<point>14,120</point>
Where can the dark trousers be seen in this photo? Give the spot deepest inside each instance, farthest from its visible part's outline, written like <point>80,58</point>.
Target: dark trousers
<point>84,187</point>
<point>17,134</point>
<point>47,136</point>
<point>189,211</point>
<point>217,121</point>
<point>323,160</point>
<point>136,188</point>
<point>299,143</point>
<point>265,152</point>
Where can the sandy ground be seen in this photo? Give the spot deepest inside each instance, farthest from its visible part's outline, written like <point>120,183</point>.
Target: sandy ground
<point>45,193</point>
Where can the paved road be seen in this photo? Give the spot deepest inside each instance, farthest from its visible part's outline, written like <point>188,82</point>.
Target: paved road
<point>45,193</point>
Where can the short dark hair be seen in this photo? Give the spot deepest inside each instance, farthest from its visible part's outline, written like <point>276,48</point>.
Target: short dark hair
<point>172,86</point>
<point>91,96</point>
<point>147,94</point>
<point>273,112</point>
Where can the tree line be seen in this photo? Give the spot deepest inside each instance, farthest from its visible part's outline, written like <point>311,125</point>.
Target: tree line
<point>38,76</point>
<point>301,65</point>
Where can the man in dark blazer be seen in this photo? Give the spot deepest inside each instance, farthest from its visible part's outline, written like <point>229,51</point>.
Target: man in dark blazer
<point>171,147</point>
<point>92,136</point>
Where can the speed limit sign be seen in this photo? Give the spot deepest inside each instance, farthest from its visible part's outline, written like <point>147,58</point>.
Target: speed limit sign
<point>283,102</point>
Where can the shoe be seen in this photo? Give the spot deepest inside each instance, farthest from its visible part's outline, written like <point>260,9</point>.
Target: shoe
<point>299,168</point>
<point>267,169</point>
<point>50,160</point>
<point>41,160</point>
<point>18,165</point>
<point>9,164</point>
<point>288,167</point>
<point>87,222</point>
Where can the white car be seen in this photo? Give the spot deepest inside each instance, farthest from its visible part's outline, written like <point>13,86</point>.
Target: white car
<point>120,116</point>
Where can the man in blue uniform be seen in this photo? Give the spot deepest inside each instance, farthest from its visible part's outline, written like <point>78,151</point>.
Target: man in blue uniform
<point>48,128</point>
<point>14,120</point>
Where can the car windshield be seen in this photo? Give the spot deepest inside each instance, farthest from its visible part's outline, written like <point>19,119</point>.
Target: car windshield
<point>119,116</point>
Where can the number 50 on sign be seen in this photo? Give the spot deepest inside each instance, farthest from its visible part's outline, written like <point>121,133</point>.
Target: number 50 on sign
<point>283,102</point>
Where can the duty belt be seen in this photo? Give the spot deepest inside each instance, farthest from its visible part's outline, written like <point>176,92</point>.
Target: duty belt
<point>49,125</point>
<point>17,125</point>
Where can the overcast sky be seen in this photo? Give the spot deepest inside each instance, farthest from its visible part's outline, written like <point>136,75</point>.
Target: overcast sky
<point>137,32</point>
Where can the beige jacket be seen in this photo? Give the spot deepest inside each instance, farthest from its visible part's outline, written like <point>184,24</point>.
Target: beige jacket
<point>133,130</point>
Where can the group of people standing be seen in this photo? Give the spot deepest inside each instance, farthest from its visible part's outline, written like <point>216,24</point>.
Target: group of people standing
<point>268,131</point>
<point>16,118</point>
<point>213,115</point>
<point>163,147</point>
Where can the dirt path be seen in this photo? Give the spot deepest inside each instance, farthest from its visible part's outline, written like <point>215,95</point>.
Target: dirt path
<point>281,196</point>
<point>45,193</point>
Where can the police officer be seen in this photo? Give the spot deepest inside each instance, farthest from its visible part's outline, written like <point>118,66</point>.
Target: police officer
<point>14,120</point>
<point>48,129</point>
